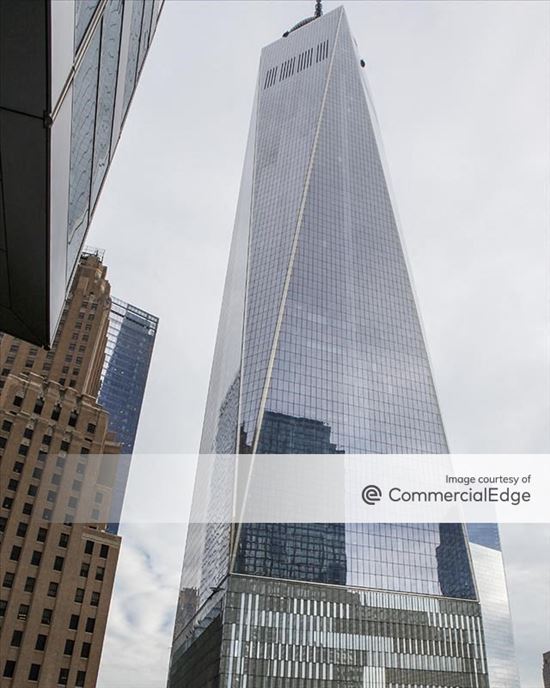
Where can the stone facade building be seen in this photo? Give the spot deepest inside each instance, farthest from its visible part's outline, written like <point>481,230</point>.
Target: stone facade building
<point>57,464</point>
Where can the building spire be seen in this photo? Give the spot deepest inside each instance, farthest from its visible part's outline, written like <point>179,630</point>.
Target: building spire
<point>318,13</point>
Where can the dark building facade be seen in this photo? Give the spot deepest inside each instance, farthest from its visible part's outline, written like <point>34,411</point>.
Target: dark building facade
<point>320,350</point>
<point>130,340</point>
<point>546,669</point>
<point>68,72</point>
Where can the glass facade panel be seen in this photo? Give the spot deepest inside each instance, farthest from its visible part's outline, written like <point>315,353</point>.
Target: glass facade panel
<point>84,11</point>
<point>108,72</point>
<point>145,32</point>
<point>82,143</point>
<point>94,99</point>
<point>284,634</point>
<point>497,622</point>
<point>133,51</point>
<point>326,355</point>
<point>430,559</point>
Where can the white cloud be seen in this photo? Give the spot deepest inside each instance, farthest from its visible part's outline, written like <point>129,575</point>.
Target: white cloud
<point>141,619</point>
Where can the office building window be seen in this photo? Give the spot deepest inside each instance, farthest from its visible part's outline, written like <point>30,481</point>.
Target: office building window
<point>34,672</point>
<point>9,668</point>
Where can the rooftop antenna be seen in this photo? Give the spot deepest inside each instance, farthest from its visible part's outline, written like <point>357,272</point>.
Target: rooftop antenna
<point>318,9</point>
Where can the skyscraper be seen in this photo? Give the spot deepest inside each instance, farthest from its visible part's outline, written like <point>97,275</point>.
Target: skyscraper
<point>57,560</point>
<point>130,340</point>
<point>320,350</point>
<point>68,72</point>
<point>488,563</point>
<point>546,669</point>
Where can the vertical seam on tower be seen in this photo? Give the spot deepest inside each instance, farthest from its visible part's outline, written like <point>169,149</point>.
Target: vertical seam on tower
<point>286,286</point>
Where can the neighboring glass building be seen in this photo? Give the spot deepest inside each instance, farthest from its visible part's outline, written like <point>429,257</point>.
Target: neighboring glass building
<point>488,565</point>
<point>320,350</point>
<point>130,341</point>
<point>68,72</point>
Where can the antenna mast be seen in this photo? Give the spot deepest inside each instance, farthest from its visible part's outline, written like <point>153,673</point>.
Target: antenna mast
<point>318,13</point>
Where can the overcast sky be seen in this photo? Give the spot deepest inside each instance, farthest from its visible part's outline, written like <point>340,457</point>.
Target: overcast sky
<point>462,95</point>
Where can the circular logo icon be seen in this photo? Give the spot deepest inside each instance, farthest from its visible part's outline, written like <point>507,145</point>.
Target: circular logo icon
<point>371,494</point>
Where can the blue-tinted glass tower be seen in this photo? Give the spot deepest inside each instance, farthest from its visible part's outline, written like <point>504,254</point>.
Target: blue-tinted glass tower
<point>130,341</point>
<point>320,350</point>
